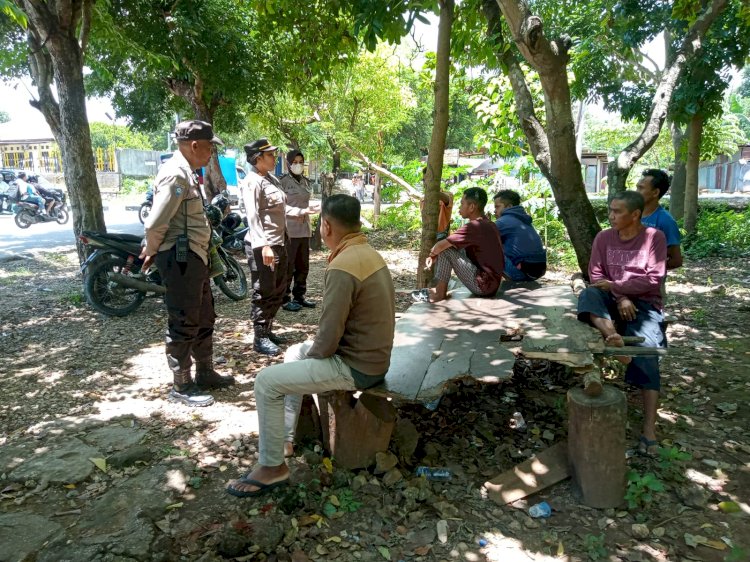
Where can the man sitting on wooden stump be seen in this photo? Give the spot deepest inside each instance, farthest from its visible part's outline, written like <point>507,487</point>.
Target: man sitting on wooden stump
<point>351,351</point>
<point>627,267</point>
<point>474,252</point>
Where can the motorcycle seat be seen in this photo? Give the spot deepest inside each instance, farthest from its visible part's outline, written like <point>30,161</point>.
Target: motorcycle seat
<point>115,236</point>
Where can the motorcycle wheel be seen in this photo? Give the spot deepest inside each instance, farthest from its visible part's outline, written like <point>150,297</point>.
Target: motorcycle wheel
<point>143,212</point>
<point>24,219</point>
<point>62,216</point>
<point>106,296</point>
<point>233,283</point>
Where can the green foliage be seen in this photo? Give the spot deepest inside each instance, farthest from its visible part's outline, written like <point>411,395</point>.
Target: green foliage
<point>104,135</point>
<point>613,135</point>
<point>669,459</point>
<point>132,186</point>
<point>720,231</point>
<point>405,217</point>
<point>594,545</point>
<point>642,490</point>
<point>341,503</point>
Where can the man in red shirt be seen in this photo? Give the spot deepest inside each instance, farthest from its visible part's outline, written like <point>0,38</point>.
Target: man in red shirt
<point>474,252</point>
<point>627,267</point>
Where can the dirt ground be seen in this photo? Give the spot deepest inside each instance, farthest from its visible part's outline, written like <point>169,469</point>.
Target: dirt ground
<point>64,363</point>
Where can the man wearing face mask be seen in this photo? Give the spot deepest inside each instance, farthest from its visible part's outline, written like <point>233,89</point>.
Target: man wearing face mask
<point>298,211</point>
<point>265,242</point>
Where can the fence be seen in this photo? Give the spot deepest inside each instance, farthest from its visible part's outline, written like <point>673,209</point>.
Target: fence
<point>728,175</point>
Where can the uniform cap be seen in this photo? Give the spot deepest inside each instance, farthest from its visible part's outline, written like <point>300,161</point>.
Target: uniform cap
<point>260,145</point>
<point>196,130</point>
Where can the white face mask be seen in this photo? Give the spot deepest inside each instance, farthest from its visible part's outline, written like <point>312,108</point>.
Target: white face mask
<point>297,169</point>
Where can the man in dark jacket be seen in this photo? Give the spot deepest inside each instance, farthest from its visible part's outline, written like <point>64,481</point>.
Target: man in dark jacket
<point>525,256</point>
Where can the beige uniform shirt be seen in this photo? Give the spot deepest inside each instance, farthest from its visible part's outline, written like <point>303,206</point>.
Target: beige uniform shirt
<point>265,203</point>
<point>178,206</point>
<point>297,202</point>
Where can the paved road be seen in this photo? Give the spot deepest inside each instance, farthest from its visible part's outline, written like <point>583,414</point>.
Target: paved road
<point>52,236</point>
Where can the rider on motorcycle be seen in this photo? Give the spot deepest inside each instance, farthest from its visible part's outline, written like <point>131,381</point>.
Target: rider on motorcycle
<point>27,192</point>
<point>49,196</point>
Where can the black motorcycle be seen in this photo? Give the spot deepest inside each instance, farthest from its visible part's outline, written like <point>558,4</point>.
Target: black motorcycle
<point>28,213</point>
<point>145,209</point>
<point>114,283</point>
<point>232,226</point>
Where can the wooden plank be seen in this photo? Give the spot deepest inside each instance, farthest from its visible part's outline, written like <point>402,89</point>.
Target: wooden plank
<point>547,468</point>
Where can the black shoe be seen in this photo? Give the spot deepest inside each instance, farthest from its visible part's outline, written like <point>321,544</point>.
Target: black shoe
<point>190,395</point>
<point>265,346</point>
<point>211,379</point>
<point>304,302</point>
<point>276,339</point>
<point>292,306</point>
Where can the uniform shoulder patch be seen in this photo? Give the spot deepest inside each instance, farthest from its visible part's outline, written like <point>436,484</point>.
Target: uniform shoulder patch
<point>178,191</point>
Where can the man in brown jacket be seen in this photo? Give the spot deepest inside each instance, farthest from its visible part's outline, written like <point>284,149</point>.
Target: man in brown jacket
<point>351,351</point>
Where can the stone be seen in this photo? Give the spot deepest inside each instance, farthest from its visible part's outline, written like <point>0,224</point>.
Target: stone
<point>446,510</point>
<point>405,439</point>
<point>125,514</point>
<point>385,462</point>
<point>442,531</point>
<point>23,534</point>
<point>358,482</point>
<point>639,531</point>
<point>392,477</point>
<point>64,462</point>
<point>130,456</point>
<point>114,436</point>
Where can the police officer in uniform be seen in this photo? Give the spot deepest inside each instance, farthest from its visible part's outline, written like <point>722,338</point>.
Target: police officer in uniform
<point>265,242</point>
<point>298,211</point>
<point>177,236</point>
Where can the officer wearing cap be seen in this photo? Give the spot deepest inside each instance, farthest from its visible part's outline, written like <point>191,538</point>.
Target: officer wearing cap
<point>298,211</point>
<point>265,242</point>
<point>177,236</point>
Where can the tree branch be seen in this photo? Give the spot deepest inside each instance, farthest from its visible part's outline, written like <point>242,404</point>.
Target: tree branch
<point>619,168</point>
<point>411,192</point>
<point>532,128</point>
<point>83,38</point>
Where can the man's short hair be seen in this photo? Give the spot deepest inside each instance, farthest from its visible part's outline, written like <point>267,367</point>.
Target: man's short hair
<point>476,195</point>
<point>22,175</point>
<point>509,197</point>
<point>659,180</point>
<point>633,200</point>
<point>343,209</point>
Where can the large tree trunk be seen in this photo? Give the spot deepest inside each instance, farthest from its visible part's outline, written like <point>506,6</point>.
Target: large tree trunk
<point>619,169</point>
<point>434,172</point>
<point>553,147</point>
<point>695,135</point>
<point>56,54</point>
<point>677,189</point>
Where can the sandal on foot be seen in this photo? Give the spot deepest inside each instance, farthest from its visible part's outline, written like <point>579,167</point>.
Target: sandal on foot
<point>262,488</point>
<point>645,446</point>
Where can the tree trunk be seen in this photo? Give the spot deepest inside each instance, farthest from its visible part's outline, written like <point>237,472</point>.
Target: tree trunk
<point>327,182</point>
<point>410,191</point>
<point>677,189</point>
<point>376,199</point>
<point>619,169</point>
<point>553,146</point>
<point>434,172</point>
<point>59,57</point>
<point>691,172</point>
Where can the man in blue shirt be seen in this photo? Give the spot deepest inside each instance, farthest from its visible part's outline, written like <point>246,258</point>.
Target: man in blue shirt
<point>525,256</point>
<point>652,186</point>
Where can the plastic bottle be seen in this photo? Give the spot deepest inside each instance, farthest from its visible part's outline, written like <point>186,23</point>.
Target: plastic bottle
<point>518,422</point>
<point>542,509</point>
<point>437,474</point>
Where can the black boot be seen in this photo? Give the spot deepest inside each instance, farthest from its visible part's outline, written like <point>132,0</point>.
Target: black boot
<point>263,343</point>
<point>207,378</point>
<point>185,391</point>
<point>278,340</point>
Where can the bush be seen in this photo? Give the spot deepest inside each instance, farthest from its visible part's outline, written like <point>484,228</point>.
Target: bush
<point>133,186</point>
<point>720,231</point>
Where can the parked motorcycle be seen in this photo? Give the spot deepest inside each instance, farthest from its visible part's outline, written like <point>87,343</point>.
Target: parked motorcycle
<point>232,226</point>
<point>145,209</point>
<point>28,213</point>
<point>114,283</point>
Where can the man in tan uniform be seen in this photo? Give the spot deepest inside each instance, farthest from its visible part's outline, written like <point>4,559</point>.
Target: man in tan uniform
<point>298,211</point>
<point>351,351</point>
<point>177,236</point>
<point>265,242</point>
